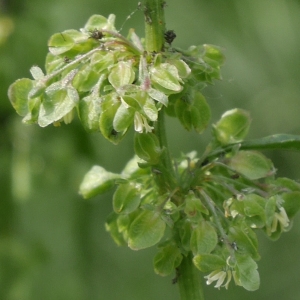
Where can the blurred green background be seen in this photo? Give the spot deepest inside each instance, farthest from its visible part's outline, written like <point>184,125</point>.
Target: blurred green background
<point>53,244</point>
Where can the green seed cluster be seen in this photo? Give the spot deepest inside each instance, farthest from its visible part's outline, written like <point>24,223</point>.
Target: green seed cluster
<point>112,83</point>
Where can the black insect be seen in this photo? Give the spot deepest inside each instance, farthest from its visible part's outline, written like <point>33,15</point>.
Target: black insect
<point>235,176</point>
<point>234,246</point>
<point>114,132</point>
<point>96,34</point>
<point>177,274</point>
<point>164,4</point>
<point>67,60</point>
<point>170,36</point>
<point>205,162</point>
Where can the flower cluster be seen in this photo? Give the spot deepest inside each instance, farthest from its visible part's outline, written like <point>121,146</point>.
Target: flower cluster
<point>209,206</point>
<point>112,82</point>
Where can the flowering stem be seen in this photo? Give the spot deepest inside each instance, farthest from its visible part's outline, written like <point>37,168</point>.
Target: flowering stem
<point>189,280</point>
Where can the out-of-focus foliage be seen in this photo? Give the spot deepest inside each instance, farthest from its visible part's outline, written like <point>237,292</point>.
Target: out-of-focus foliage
<point>53,244</point>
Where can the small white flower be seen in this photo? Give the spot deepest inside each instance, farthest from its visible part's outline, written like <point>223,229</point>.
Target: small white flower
<point>69,117</point>
<point>218,276</point>
<point>234,213</point>
<point>282,218</point>
<point>229,276</point>
<point>140,123</point>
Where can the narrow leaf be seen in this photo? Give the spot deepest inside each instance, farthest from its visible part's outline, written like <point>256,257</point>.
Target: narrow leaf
<point>276,141</point>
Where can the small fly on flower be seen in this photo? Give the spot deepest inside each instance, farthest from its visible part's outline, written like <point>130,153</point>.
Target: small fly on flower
<point>96,34</point>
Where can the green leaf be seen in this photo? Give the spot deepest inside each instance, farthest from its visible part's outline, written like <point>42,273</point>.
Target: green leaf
<point>18,95</point>
<point>150,109</point>
<point>36,72</point>
<point>291,203</point>
<point>97,181</point>
<point>58,102</point>
<point>89,109</point>
<point>245,239</point>
<point>121,74</point>
<point>146,146</point>
<point>204,238</point>
<point>100,22</point>
<point>193,111</point>
<point>194,207</point>
<point>133,170</point>
<point>232,127</point>
<point>183,113</point>
<point>123,222</point>
<point>146,230</point>
<point>247,273</point>
<point>213,52</point>
<point>85,79</point>
<point>132,102</point>
<point>200,112</point>
<point>102,62</point>
<point>112,227</point>
<point>53,63</point>
<point>254,205</point>
<point>89,112</point>
<point>251,164</point>
<point>287,183</point>
<point>158,96</point>
<point>270,212</point>
<point>60,43</point>
<point>123,118</point>
<point>182,68</point>
<point>110,106</point>
<point>34,108</point>
<point>208,262</point>
<point>185,231</point>
<point>166,76</point>
<point>167,259</point>
<point>126,198</point>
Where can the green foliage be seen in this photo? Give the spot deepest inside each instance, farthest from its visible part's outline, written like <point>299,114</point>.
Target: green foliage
<point>211,206</point>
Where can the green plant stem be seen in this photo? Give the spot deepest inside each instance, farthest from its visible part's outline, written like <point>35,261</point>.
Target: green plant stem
<point>154,25</point>
<point>154,42</point>
<point>189,281</point>
<point>166,178</point>
<point>188,276</point>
